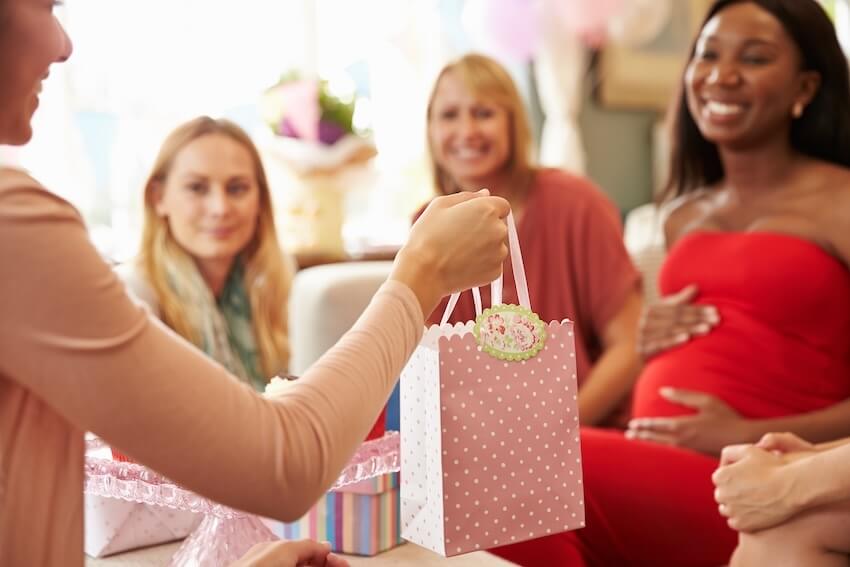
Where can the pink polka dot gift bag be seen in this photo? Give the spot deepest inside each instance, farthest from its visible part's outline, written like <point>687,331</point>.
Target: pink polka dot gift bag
<point>490,450</point>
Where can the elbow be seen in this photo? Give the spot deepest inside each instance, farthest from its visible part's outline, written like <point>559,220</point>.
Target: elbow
<point>291,509</point>
<point>305,472</point>
<point>296,498</point>
<point>293,515</point>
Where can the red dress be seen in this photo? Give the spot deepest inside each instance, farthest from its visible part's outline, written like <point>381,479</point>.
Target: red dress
<point>782,347</point>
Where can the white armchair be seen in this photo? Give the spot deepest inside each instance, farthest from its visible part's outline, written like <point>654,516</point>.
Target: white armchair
<point>324,303</point>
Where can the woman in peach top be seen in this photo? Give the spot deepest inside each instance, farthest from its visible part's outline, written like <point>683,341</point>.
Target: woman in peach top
<point>77,354</point>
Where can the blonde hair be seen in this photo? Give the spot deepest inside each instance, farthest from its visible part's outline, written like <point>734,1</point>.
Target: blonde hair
<point>487,79</point>
<point>267,277</point>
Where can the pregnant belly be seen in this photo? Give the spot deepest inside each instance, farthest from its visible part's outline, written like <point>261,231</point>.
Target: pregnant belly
<point>760,375</point>
<point>678,370</point>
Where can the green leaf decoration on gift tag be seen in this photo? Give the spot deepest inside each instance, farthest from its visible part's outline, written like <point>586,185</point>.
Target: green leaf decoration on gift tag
<point>510,332</point>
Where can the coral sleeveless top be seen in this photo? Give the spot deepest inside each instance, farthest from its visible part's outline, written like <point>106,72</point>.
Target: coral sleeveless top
<point>783,344</point>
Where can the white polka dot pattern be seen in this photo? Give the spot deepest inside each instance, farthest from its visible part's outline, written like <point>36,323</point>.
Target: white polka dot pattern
<point>421,481</point>
<point>509,450</point>
<point>113,525</point>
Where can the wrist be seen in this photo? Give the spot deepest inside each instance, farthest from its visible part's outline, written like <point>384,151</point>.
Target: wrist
<point>416,269</point>
<point>754,430</point>
<point>804,492</point>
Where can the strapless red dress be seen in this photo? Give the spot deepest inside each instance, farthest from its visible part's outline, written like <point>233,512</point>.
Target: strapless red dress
<point>782,348</point>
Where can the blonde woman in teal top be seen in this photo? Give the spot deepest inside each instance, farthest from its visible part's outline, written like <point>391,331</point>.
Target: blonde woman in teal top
<point>210,265</point>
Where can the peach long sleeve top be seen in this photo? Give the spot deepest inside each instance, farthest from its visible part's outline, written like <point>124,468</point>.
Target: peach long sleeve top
<point>76,354</point>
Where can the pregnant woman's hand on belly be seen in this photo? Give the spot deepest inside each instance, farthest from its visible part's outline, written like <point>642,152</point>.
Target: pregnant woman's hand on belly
<point>673,320</point>
<point>713,427</point>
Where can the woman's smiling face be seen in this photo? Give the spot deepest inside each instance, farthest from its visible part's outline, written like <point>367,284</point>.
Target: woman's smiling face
<point>31,39</point>
<point>469,135</point>
<point>745,77</point>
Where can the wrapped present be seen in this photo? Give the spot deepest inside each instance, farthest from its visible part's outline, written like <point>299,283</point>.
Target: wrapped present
<point>113,525</point>
<point>359,519</point>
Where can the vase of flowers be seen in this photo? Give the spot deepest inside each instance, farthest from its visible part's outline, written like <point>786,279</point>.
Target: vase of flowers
<point>316,150</point>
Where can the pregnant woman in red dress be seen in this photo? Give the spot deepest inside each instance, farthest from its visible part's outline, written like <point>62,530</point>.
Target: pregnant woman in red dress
<point>761,224</point>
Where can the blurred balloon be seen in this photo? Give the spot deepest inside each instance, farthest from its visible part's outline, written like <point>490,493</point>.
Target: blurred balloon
<point>639,21</point>
<point>588,19</point>
<point>508,28</point>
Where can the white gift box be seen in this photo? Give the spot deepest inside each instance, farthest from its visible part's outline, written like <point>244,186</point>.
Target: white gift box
<point>113,525</point>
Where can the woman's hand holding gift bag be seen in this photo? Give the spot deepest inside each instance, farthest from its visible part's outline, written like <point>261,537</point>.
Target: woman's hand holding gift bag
<point>459,242</point>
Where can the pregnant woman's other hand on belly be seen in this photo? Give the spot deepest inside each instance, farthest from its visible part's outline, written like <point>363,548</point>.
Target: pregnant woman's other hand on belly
<point>713,427</point>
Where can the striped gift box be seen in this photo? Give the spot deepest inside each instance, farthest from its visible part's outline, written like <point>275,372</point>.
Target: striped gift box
<point>360,519</point>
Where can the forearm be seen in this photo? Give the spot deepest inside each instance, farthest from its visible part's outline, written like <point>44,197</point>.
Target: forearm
<point>291,450</point>
<point>818,426</point>
<point>823,478</point>
<point>614,374</point>
<point>609,383</point>
<point>833,444</point>
<point>415,269</point>
<point>331,407</point>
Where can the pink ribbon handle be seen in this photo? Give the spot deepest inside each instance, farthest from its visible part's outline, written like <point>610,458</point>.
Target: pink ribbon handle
<point>496,287</point>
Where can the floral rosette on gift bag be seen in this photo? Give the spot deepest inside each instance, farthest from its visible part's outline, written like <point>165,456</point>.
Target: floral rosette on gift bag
<point>510,332</point>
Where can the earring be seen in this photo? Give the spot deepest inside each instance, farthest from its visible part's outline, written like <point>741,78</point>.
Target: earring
<point>797,110</point>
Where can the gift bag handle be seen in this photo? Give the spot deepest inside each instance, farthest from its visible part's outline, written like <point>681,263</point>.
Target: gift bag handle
<point>496,287</point>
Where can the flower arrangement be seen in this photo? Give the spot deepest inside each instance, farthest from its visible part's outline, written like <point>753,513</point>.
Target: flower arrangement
<point>305,109</point>
<point>315,154</point>
<point>313,127</point>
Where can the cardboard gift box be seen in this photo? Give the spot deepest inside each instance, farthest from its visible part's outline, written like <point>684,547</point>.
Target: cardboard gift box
<point>359,519</point>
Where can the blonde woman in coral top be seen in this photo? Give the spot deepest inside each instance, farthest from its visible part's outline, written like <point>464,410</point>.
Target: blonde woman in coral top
<point>571,236</point>
<point>77,354</point>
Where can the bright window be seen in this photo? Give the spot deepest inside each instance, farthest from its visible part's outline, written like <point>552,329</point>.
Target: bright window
<point>140,69</point>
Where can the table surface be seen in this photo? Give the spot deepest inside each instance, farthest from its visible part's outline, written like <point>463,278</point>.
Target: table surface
<point>407,554</point>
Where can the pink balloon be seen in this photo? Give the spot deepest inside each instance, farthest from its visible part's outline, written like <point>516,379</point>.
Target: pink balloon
<point>513,26</point>
<point>588,18</point>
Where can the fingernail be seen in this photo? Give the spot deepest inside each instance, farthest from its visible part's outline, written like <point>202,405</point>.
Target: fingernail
<point>667,391</point>
<point>711,314</point>
<point>702,329</point>
<point>484,191</point>
<point>681,338</point>
<point>630,434</point>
